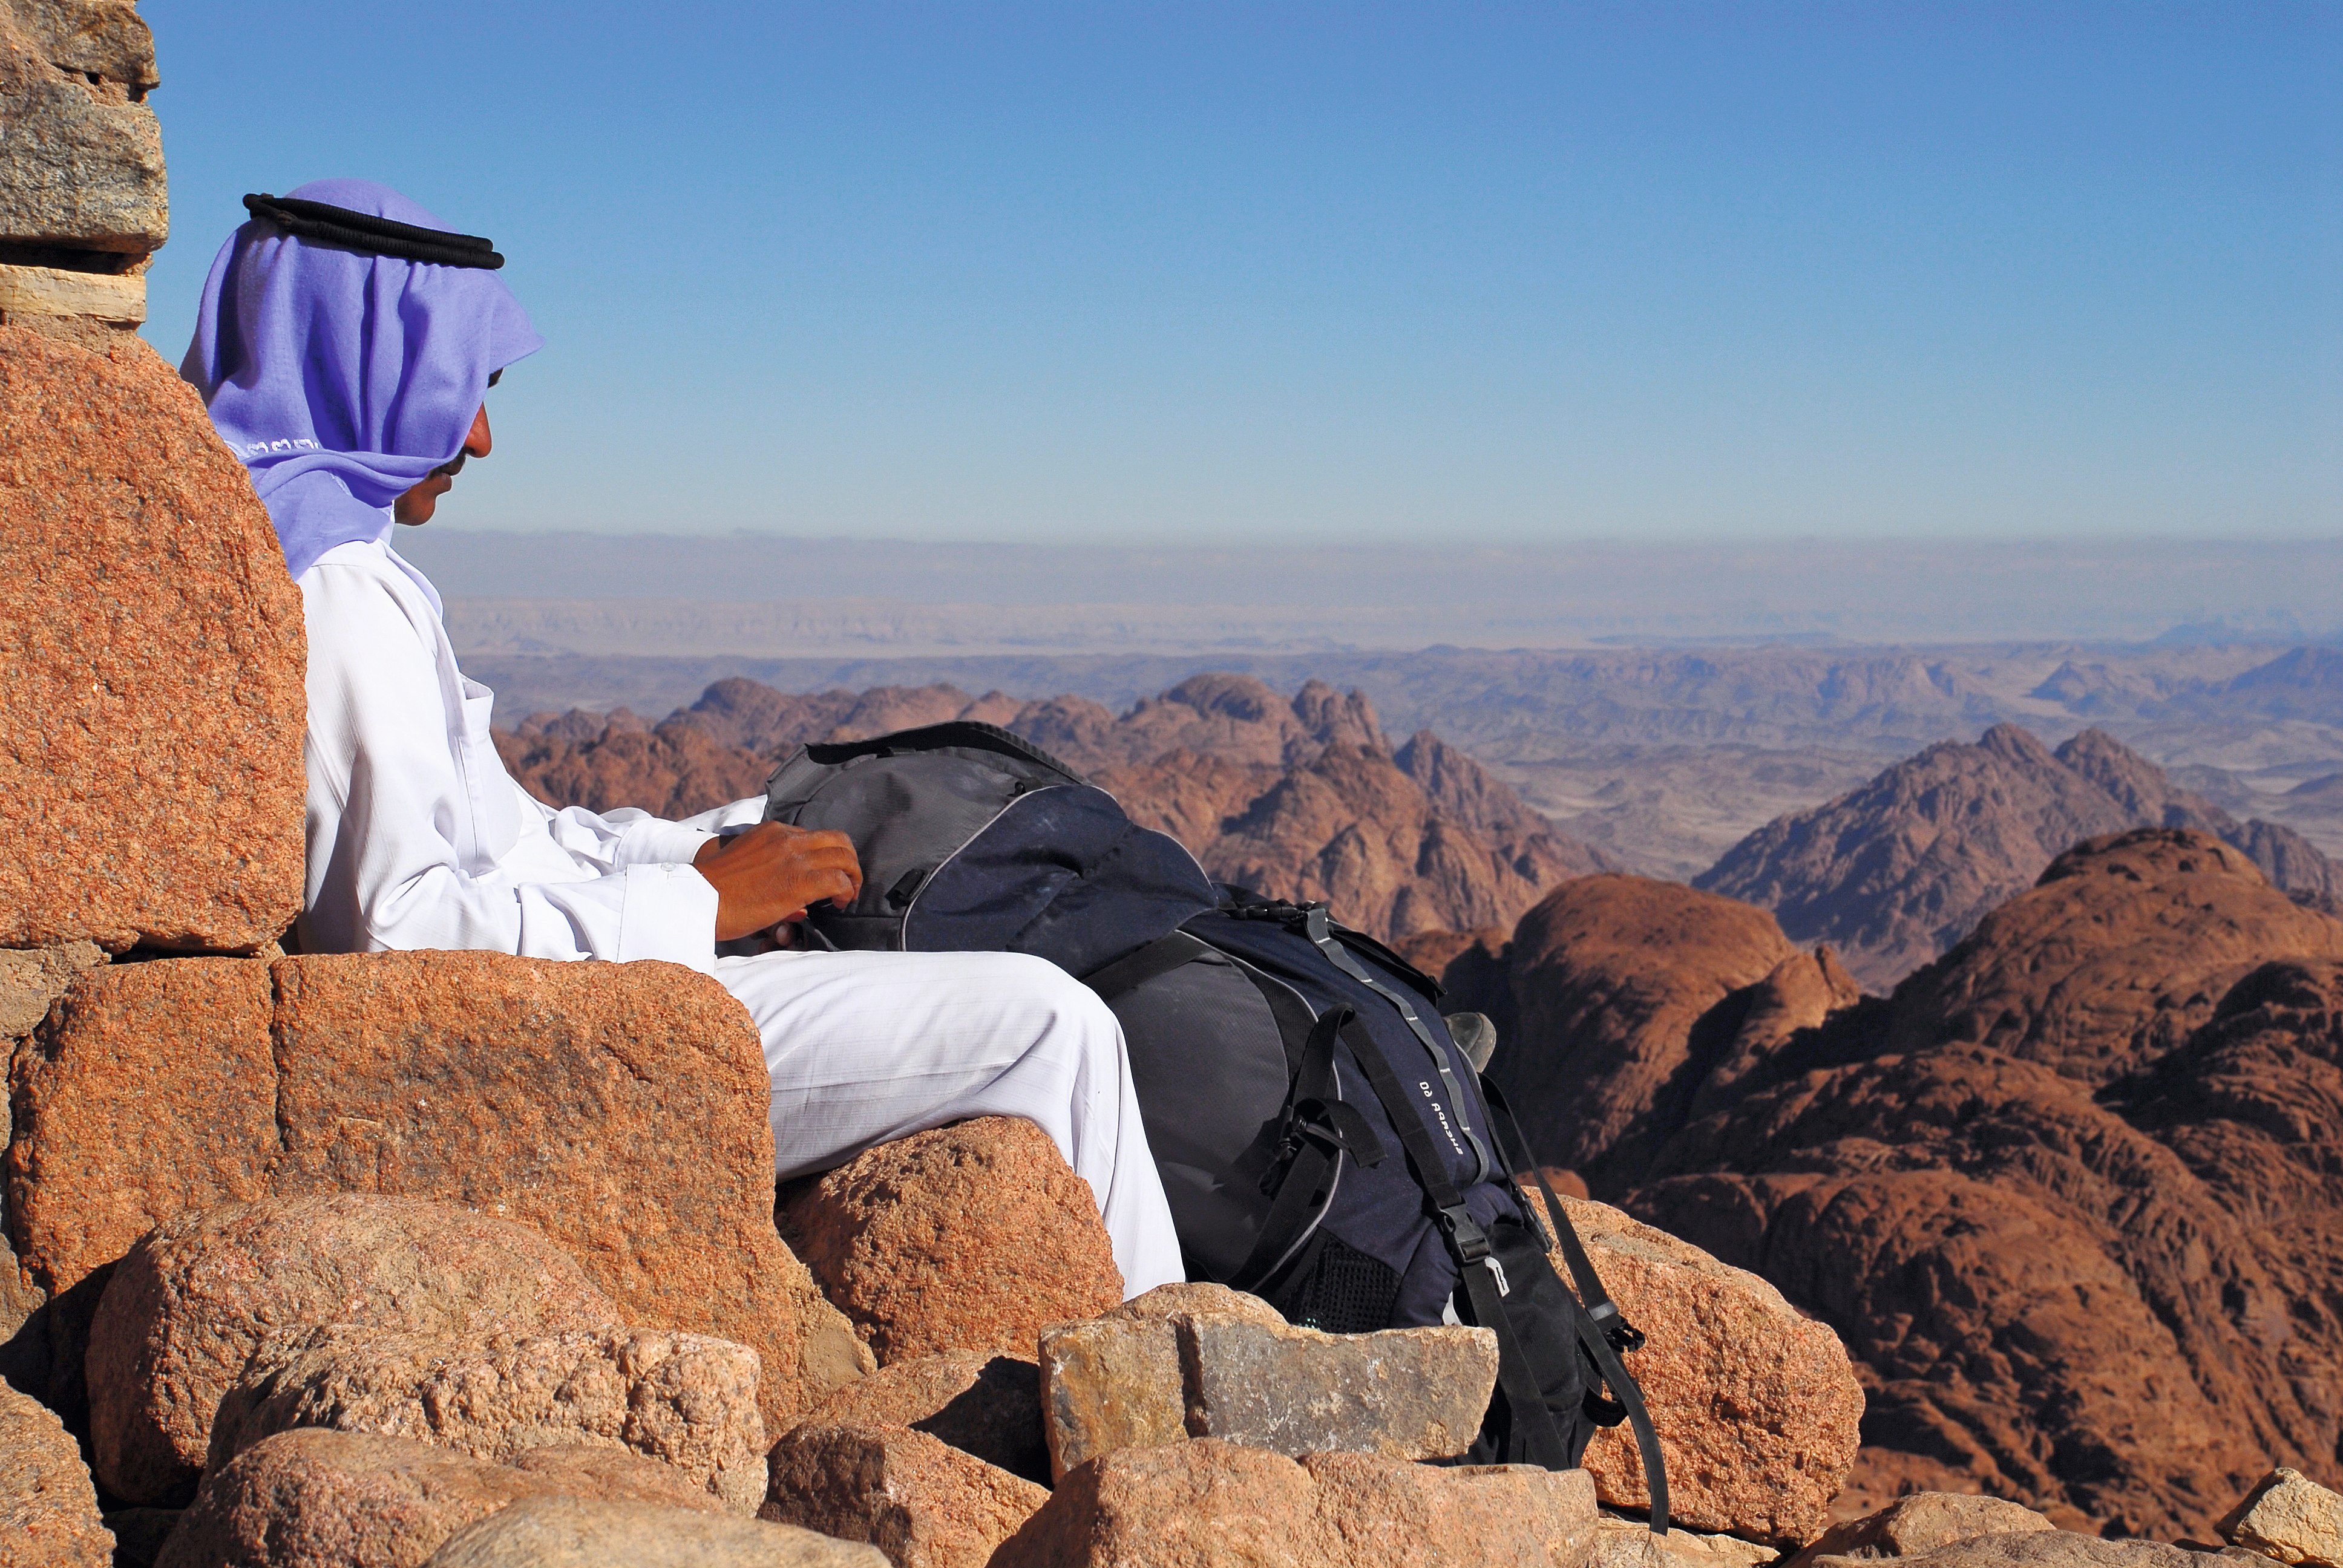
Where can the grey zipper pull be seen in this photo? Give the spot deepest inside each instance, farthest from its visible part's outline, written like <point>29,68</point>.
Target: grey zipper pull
<point>1499,1270</point>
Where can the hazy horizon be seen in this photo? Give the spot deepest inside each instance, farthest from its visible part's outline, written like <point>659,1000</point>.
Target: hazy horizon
<point>1343,274</point>
<point>659,596</point>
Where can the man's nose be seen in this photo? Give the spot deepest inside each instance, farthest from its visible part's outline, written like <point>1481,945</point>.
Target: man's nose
<point>477,442</point>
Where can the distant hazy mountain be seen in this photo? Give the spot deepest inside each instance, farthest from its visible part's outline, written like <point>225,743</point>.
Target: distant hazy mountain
<point>1664,759</point>
<point>1896,872</point>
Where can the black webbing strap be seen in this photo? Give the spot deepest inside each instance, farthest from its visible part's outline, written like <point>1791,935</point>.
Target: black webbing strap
<point>1639,1419</point>
<point>1590,1291</point>
<point>1602,1329</point>
<point>1484,1278</point>
<point>1134,969</point>
<point>1312,1141</point>
<point>1321,933</point>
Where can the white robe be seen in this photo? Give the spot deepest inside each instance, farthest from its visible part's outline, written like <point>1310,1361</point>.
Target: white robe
<point>417,837</point>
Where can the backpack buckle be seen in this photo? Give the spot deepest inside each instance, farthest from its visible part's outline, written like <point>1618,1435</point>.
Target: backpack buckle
<point>1471,1242</point>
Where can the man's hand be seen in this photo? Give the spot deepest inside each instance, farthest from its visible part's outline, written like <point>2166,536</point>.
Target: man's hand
<point>768,875</point>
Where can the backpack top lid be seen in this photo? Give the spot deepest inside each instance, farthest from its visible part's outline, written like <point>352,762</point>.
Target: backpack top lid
<point>806,769</point>
<point>974,839</point>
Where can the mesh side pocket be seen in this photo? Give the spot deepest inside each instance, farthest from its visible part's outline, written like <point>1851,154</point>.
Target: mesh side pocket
<point>1338,1290</point>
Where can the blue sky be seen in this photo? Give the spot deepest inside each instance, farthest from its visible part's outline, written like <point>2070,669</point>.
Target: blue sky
<point>1418,274</point>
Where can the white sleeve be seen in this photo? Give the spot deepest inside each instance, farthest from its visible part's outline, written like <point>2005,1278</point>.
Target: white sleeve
<point>737,814</point>
<point>625,837</point>
<point>392,816</point>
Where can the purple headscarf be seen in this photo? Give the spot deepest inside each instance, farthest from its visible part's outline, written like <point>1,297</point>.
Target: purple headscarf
<point>341,378</point>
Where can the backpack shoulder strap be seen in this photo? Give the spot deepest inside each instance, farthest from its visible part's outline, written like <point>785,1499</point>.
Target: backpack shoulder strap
<point>1611,1334</point>
<point>1606,1312</point>
<point>1134,969</point>
<point>1319,931</point>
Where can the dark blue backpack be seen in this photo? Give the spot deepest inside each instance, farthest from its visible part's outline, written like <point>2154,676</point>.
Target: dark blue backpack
<point>1324,1143</point>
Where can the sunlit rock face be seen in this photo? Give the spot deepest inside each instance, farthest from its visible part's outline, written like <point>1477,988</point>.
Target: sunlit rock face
<point>83,197</point>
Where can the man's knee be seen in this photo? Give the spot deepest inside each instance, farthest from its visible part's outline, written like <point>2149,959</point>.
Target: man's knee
<point>1062,992</point>
<point>1059,1006</point>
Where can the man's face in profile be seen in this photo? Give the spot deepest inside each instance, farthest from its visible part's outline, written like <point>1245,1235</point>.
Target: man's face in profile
<point>416,507</point>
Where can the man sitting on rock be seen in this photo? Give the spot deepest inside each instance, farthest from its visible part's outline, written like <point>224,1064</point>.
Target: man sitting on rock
<point>344,345</point>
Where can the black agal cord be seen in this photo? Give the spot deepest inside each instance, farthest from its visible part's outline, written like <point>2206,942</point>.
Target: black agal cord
<point>365,231</point>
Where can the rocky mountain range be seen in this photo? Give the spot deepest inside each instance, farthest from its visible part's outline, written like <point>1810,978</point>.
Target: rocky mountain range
<point>2070,1194</point>
<point>1894,872</point>
<point>1306,795</point>
<point>1662,758</point>
<point>1303,798</point>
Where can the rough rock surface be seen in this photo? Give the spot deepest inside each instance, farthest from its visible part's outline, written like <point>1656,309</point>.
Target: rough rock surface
<point>150,727</point>
<point>1305,798</point>
<point>81,155</point>
<point>317,1499</point>
<point>2288,1517</point>
<point>2050,1549</point>
<point>134,1102</point>
<point>1108,1386</point>
<point>86,310</point>
<point>1623,1542</point>
<point>989,1406</point>
<point>619,1108</point>
<point>184,1311</point>
<point>1213,1505</point>
<point>1197,1299</point>
<point>2118,952</point>
<point>1757,1408</point>
<point>973,1237</point>
<point>2095,1293</point>
<point>686,1399</point>
<point>2106,1295</point>
<point>924,1503</point>
<point>1921,1523</point>
<point>139,1533</point>
<point>138,1099</point>
<point>1599,1031</point>
<point>573,1532</point>
<point>1404,1393</point>
<point>48,1509</point>
<point>1898,870</point>
<point>32,979</point>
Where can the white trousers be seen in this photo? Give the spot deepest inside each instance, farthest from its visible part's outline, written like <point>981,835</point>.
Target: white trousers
<point>863,1047</point>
